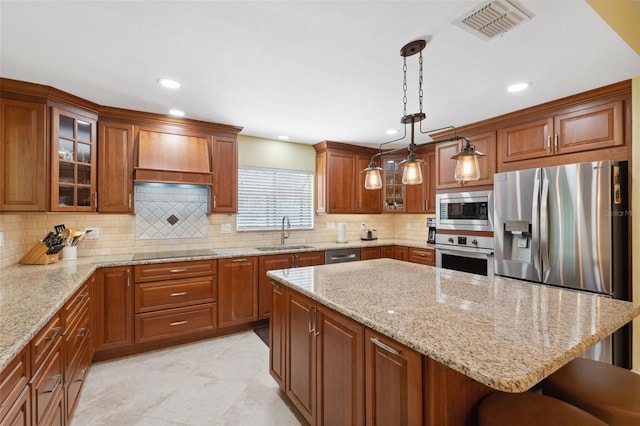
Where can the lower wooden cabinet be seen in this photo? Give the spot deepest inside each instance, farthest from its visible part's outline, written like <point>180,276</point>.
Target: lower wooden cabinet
<point>18,414</point>
<point>277,333</point>
<point>401,253</point>
<point>237,291</point>
<point>324,376</point>
<point>15,395</point>
<point>280,261</point>
<point>423,256</point>
<point>46,388</point>
<point>167,323</point>
<point>367,253</point>
<point>394,382</point>
<point>113,307</point>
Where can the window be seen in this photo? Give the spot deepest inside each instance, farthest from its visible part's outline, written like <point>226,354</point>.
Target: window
<point>266,195</point>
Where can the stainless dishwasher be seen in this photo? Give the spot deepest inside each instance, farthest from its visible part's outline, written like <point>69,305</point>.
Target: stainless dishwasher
<point>341,255</point>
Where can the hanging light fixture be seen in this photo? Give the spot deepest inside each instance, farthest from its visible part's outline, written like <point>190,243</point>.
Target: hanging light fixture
<point>412,165</point>
<point>467,167</point>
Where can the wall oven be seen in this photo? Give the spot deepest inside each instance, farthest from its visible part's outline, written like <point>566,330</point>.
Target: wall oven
<point>471,211</point>
<point>465,252</point>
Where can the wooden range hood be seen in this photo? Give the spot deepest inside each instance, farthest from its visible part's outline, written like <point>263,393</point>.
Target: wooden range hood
<point>173,158</point>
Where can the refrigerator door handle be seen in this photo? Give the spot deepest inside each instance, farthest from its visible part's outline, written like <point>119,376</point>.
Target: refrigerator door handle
<point>544,222</point>
<point>535,223</point>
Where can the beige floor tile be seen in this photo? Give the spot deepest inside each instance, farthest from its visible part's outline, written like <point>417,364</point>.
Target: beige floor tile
<point>221,381</point>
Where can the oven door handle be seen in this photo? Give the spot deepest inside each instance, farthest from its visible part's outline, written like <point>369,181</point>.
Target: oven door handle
<point>466,252</point>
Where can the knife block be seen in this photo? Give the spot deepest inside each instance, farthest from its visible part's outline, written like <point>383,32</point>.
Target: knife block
<point>37,255</point>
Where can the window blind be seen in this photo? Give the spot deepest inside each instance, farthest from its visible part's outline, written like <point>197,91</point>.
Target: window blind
<point>266,195</point>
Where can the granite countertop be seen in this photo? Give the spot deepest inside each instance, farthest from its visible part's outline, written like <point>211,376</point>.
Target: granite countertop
<point>31,294</point>
<point>504,333</point>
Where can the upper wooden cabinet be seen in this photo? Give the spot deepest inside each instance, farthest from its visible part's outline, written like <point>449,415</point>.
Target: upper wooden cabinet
<point>23,159</point>
<point>339,181</point>
<point>73,160</point>
<point>587,129</point>
<point>445,166</point>
<point>115,167</point>
<point>225,175</point>
<point>422,198</point>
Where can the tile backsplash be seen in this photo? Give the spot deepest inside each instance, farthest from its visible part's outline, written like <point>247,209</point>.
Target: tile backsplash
<point>171,211</point>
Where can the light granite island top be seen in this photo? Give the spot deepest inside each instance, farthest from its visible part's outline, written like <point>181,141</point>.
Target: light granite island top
<point>504,333</point>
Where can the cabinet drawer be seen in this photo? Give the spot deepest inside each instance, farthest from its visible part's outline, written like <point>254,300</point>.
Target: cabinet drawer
<point>47,385</point>
<point>175,293</point>
<point>45,340</point>
<point>423,256</point>
<point>79,301</point>
<point>76,335</point>
<point>20,412</point>
<point>175,322</point>
<point>13,380</point>
<point>168,271</point>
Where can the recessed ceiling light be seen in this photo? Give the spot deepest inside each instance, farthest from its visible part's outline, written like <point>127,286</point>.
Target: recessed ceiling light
<point>176,113</point>
<point>167,82</point>
<point>518,87</point>
<point>283,137</point>
<point>391,131</point>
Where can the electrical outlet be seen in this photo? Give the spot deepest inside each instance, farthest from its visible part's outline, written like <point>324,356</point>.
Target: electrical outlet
<point>408,225</point>
<point>1,239</point>
<point>331,226</point>
<point>363,225</point>
<point>225,228</point>
<point>94,234</point>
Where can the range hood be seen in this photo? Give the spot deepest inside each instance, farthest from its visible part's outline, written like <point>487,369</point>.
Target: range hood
<point>173,158</point>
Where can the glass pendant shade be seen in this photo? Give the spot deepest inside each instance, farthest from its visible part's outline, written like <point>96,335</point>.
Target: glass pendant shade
<point>412,173</point>
<point>467,168</point>
<point>373,178</point>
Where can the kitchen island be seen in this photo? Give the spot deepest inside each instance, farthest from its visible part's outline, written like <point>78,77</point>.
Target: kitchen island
<point>498,334</point>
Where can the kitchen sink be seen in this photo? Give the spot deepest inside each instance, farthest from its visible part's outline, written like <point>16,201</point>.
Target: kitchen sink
<point>282,248</point>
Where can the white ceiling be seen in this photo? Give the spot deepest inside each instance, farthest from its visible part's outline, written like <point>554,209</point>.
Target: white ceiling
<point>313,70</point>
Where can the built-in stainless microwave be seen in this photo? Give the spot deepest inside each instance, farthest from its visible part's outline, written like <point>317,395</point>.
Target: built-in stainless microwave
<point>470,211</point>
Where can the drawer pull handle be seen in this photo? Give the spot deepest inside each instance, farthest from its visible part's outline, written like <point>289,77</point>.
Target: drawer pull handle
<point>387,348</point>
<point>58,379</point>
<point>178,323</point>
<point>84,372</point>
<point>83,331</point>
<point>173,271</point>
<point>178,293</point>
<point>54,333</point>
<point>275,284</point>
<point>239,260</point>
<point>421,254</point>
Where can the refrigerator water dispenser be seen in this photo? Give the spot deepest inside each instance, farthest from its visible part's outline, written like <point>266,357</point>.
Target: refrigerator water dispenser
<point>517,240</point>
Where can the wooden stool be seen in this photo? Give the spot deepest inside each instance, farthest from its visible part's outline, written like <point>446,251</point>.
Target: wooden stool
<point>531,409</point>
<point>606,391</point>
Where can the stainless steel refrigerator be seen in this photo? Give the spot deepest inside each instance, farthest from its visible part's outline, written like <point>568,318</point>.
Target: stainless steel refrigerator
<point>567,226</point>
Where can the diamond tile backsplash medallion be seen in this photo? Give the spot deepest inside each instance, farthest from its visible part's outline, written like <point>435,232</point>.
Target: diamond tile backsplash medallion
<point>171,211</point>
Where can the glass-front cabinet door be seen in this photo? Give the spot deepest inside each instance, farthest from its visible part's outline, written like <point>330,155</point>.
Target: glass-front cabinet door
<point>73,162</point>
<point>394,190</point>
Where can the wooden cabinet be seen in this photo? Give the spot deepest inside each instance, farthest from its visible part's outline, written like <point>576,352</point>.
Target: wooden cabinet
<point>387,251</point>
<point>225,175</point>
<point>423,256</point>
<point>23,163</point>
<point>174,299</point>
<point>367,253</point>
<point>445,166</point>
<point>47,381</point>
<point>73,160</point>
<point>278,333</point>
<point>325,358</point>
<point>339,181</point>
<point>113,307</point>
<point>115,167</point>
<point>422,198</point>
<point>77,344</point>
<point>237,291</point>
<point>401,253</point>
<point>576,131</point>
<point>280,261</point>
<point>15,395</point>
<point>393,382</point>
<point>394,191</point>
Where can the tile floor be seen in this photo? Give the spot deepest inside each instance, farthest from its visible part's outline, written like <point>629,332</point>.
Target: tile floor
<point>220,381</point>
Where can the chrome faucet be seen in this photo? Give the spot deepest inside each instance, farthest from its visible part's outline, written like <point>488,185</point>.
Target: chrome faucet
<point>282,232</point>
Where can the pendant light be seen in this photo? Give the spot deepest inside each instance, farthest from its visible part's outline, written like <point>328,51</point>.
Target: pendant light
<point>467,167</point>
<point>373,177</point>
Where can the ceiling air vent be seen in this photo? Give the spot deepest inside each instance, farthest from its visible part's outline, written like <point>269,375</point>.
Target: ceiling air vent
<point>493,18</point>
